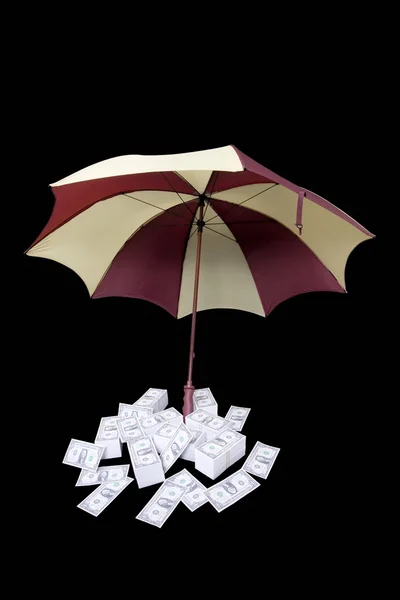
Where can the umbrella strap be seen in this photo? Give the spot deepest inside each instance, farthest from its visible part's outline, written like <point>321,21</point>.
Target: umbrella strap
<point>299,216</point>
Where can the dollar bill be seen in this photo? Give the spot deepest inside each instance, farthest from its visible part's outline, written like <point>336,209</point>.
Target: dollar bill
<point>114,473</point>
<point>237,416</point>
<point>230,490</point>
<point>128,410</point>
<point>83,455</point>
<point>223,442</point>
<point>107,429</point>
<point>149,423</point>
<point>142,452</point>
<point>205,419</point>
<point>102,497</point>
<point>204,399</point>
<point>162,504</point>
<point>150,398</point>
<point>129,429</point>
<point>171,413</point>
<point>195,491</point>
<point>175,446</point>
<point>167,430</point>
<point>260,460</point>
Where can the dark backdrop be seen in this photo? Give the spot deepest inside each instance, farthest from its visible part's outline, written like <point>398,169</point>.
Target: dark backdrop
<point>306,371</point>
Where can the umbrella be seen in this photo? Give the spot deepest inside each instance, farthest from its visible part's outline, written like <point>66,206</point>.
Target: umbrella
<point>197,231</point>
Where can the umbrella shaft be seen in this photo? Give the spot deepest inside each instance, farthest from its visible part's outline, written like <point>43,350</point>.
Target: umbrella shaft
<point>195,292</point>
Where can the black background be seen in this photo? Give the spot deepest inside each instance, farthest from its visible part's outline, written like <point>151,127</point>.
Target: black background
<point>305,371</point>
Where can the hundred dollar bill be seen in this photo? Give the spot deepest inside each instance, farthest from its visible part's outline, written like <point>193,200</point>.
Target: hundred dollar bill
<point>260,460</point>
<point>107,429</point>
<point>237,416</point>
<point>175,446</point>
<point>195,491</point>
<point>102,497</point>
<point>115,473</point>
<point>162,504</point>
<point>83,455</point>
<point>128,410</point>
<point>230,490</point>
<point>129,429</point>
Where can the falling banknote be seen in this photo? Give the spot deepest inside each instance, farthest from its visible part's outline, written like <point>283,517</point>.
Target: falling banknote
<point>261,459</point>
<point>83,455</point>
<point>115,473</point>
<point>175,446</point>
<point>230,490</point>
<point>162,504</point>
<point>237,416</point>
<point>98,500</point>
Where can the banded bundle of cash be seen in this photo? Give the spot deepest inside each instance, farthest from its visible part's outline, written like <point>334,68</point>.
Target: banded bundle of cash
<point>237,416</point>
<point>83,455</point>
<point>218,454</point>
<point>107,436</point>
<point>129,410</point>
<point>200,420</point>
<point>146,463</point>
<point>151,423</point>
<point>204,399</point>
<point>230,490</point>
<point>154,398</point>
<point>176,445</point>
<point>198,438</point>
<point>261,459</point>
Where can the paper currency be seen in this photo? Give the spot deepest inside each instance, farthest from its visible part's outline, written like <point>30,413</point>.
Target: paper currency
<point>162,504</point>
<point>114,473</point>
<point>151,423</point>
<point>175,446</point>
<point>220,453</point>
<point>102,497</point>
<point>107,436</point>
<point>162,436</point>
<point>146,463</point>
<point>129,429</point>
<point>204,421</point>
<point>83,455</point>
<point>237,416</point>
<point>172,416</point>
<point>260,460</point>
<point>154,398</point>
<point>198,438</point>
<point>195,491</point>
<point>230,490</point>
<point>128,410</point>
<point>204,398</point>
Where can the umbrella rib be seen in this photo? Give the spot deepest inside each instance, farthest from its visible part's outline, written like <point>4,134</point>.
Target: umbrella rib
<point>247,199</point>
<point>223,235</point>
<point>178,194</point>
<point>159,207</point>
<point>212,191</point>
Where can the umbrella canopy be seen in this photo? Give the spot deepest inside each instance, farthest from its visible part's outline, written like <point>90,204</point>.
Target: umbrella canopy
<point>126,226</point>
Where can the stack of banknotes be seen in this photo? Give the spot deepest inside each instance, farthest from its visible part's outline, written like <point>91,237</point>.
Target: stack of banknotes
<point>204,399</point>
<point>156,439</point>
<point>221,452</point>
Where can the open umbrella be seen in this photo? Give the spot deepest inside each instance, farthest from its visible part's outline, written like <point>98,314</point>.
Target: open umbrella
<point>141,227</point>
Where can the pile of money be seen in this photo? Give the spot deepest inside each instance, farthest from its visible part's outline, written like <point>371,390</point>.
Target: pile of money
<point>198,438</point>
<point>156,438</point>
<point>204,399</point>
<point>154,398</point>
<point>145,461</point>
<point>201,420</point>
<point>217,455</point>
<point>107,436</point>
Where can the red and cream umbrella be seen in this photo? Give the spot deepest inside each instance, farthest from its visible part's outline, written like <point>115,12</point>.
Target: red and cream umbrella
<point>127,227</point>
